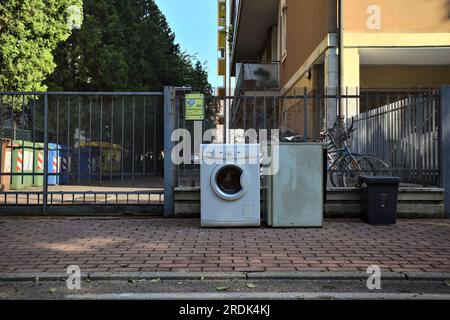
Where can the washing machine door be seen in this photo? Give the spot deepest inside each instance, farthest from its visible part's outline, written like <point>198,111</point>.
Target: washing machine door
<point>230,181</point>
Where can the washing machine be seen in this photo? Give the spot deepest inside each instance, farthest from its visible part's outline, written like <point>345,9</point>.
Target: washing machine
<point>230,185</point>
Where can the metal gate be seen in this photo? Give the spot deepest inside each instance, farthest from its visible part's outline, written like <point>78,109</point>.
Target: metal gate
<point>81,152</point>
<point>187,174</point>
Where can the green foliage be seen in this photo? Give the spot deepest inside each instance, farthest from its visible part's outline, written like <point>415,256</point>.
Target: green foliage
<point>29,32</point>
<point>124,45</point>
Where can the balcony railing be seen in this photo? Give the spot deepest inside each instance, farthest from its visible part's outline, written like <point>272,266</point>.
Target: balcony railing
<point>257,76</point>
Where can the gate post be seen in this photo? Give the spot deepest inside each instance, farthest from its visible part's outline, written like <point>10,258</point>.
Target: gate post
<point>169,173</point>
<point>445,146</point>
<point>45,173</point>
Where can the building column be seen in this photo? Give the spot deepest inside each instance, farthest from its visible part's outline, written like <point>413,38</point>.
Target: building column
<point>331,70</point>
<point>350,81</point>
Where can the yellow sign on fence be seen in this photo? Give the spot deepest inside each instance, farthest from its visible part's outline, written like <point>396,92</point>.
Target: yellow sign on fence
<point>194,106</point>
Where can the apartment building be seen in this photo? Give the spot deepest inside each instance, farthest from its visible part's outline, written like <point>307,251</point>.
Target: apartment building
<point>357,45</point>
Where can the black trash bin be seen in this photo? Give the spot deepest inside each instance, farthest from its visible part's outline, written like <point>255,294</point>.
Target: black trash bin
<point>379,199</point>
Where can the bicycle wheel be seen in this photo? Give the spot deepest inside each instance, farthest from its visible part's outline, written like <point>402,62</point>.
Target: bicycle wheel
<point>355,167</point>
<point>377,166</point>
<point>335,169</point>
<point>336,174</point>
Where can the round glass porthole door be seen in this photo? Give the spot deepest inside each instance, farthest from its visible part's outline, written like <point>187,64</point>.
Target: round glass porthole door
<point>229,182</point>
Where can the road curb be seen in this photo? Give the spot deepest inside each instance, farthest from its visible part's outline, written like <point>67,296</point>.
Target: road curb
<point>166,275</point>
<point>427,276</point>
<point>323,275</point>
<point>98,276</point>
<point>211,296</point>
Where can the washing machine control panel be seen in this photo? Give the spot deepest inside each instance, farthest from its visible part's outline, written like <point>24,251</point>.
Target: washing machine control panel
<point>231,152</point>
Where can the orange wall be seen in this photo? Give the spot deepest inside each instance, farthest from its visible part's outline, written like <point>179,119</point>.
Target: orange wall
<point>308,23</point>
<point>404,76</point>
<point>418,16</point>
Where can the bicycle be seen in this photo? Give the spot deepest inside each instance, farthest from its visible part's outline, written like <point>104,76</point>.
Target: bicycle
<point>345,166</point>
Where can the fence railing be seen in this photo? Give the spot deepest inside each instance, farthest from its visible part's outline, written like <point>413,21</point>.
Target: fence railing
<point>404,132</point>
<point>399,126</point>
<point>74,148</point>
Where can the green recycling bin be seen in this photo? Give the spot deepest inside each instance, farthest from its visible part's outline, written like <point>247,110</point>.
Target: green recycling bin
<point>22,164</point>
<point>38,177</point>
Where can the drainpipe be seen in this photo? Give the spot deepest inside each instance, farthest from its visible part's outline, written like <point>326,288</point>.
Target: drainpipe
<point>341,111</point>
<point>341,61</point>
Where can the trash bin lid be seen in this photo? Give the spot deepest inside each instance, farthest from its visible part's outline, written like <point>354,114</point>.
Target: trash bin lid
<point>379,179</point>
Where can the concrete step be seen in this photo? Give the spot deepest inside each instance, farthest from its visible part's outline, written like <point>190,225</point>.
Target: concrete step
<point>341,203</point>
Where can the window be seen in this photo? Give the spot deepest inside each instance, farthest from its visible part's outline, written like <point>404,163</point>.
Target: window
<point>221,53</point>
<point>283,30</point>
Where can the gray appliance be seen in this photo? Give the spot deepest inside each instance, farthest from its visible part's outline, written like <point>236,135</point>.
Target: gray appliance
<point>295,196</point>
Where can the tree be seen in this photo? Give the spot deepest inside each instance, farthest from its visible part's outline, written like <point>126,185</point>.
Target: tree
<point>29,32</point>
<point>124,45</point>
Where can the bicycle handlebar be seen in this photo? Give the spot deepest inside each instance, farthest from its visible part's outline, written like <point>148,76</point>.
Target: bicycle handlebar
<point>344,136</point>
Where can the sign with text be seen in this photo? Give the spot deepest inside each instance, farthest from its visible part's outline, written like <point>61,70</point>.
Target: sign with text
<point>195,106</point>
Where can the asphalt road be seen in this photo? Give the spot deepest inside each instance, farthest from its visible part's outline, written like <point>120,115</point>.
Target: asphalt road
<point>225,289</point>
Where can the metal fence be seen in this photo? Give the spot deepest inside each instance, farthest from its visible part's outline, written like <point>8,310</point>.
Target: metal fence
<point>107,149</point>
<point>300,113</point>
<point>399,126</point>
<point>81,149</point>
<point>404,132</point>
<point>187,174</point>
<point>248,115</point>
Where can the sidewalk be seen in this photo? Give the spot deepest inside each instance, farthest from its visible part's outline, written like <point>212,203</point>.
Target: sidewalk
<point>179,245</point>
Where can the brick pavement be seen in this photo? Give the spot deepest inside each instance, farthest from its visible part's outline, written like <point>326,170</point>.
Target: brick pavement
<point>150,245</point>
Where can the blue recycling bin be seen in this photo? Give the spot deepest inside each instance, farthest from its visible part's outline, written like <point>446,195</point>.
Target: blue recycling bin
<point>53,163</point>
<point>86,163</point>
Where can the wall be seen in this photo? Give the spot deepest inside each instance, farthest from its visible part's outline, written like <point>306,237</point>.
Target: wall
<point>404,76</point>
<point>269,51</point>
<point>308,23</point>
<point>410,16</point>
<point>295,108</point>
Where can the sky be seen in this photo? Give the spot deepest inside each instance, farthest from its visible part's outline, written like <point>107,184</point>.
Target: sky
<point>194,23</point>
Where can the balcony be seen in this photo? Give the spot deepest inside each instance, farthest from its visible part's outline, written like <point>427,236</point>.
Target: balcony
<point>251,20</point>
<point>256,77</point>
